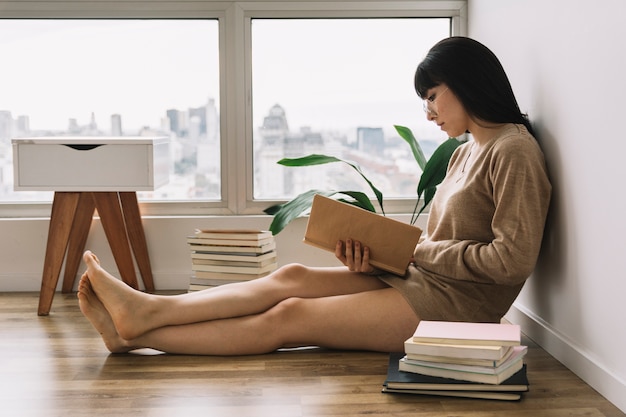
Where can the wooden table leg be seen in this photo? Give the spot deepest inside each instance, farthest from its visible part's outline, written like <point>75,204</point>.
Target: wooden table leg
<point>137,237</point>
<point>77,240</point>
<point>63,210</point>
<point>72,213</point>
<point>110,212</point>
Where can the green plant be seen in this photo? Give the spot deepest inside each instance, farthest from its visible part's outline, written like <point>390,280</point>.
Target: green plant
<point>433,172</point>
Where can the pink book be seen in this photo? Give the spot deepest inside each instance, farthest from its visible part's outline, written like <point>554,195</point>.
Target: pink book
<point>465,333</point>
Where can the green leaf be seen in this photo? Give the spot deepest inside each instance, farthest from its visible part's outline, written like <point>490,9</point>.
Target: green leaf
<point>293,209</point>
<point>316,159</point>
<point>434,172</point>
<point>406,134</point>
<point>313,159</point>
<point>437,166</point>
<point>271,210</point>
<point>429,193</point>
<point>301,205</point>
<point>360,200</point>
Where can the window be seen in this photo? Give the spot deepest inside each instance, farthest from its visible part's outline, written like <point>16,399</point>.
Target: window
<point>337,87</point>
<point>134,77</point>
<point>214,76</point>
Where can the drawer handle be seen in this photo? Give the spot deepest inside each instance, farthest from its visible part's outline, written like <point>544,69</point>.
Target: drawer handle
<point>83,147</point>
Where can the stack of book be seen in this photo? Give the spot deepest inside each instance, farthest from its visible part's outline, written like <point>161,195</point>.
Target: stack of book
<point>225,256</point>
<point>477,360</point>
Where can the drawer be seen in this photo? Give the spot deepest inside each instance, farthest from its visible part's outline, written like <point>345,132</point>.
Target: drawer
<point>90,164</point>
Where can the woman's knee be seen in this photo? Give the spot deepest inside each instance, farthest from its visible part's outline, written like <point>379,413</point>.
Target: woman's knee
<point>285,319</point>
<point>290,273</point>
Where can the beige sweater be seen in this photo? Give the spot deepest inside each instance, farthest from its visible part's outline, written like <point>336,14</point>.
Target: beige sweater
<point>484,231</point>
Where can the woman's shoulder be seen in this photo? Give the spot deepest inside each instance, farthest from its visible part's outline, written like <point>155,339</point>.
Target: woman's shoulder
<point>514,139</point>
<point>516,150</point>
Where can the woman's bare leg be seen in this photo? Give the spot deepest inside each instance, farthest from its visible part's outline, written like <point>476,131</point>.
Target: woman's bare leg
<point>378,320</point>
<point>135,313</point>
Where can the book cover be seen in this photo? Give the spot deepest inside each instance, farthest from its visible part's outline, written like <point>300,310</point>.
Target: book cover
<point>391,242</point>
<point>517,354</point>
<point>397,379</point>
<point>477,352</point>
<point>494,334</point>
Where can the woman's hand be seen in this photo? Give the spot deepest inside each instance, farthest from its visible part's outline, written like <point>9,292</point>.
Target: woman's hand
<point>354,256</point>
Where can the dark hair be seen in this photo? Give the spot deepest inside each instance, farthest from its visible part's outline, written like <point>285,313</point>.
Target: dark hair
<point>476,77</point>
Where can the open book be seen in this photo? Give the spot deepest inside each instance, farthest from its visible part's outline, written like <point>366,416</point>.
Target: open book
<point>391,242</point>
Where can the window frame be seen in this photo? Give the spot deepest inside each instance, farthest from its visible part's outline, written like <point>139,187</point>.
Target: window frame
<point>235,55</point>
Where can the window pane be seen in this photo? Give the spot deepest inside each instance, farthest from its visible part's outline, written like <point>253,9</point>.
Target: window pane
<point>337,87</point>
<point>115,78</point>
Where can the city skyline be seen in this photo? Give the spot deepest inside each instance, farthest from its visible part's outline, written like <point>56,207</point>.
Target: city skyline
<point>115,122</point>
<point>192,159</point>
<point>22,123</point>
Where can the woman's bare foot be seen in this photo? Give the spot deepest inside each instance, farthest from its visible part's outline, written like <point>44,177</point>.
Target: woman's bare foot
<point>127,307</point>
<point>99,317</point>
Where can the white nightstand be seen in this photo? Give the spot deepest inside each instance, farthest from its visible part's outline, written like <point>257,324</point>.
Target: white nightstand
<point>89,173</point>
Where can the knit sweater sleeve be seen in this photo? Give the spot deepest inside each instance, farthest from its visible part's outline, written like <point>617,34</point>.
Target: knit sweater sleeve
<point>490,231</point>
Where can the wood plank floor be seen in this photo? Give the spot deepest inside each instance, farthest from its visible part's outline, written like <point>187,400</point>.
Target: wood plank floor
<point>58,366</point>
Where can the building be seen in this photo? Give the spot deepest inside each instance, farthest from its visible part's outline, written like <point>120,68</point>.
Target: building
<point>116,125</point>
<point>370,140</point>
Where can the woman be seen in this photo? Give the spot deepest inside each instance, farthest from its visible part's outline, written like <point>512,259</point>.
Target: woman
<point>483,238</point>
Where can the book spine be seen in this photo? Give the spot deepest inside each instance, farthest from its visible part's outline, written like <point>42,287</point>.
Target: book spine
<point>228,256</point>
<point>478,369</point>
<point>226,242</point>
<point>453,351</point>
<point>461,375</point>
<point>232,249</point>
<point>234,269</point>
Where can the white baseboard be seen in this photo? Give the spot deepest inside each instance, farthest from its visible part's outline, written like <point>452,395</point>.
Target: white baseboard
<point>571,355</point>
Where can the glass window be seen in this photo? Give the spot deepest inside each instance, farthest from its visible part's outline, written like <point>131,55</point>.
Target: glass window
<point>338,87</point>
<point>99,77</point>
<point>235,85</point>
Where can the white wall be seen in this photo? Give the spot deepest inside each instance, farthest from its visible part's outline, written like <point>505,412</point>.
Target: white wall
<point>23,246</point>
<point>567,66</point>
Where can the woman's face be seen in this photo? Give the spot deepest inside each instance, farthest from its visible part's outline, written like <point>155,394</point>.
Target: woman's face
<point>445,109</point>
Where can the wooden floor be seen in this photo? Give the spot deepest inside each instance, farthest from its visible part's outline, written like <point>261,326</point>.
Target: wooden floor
<point>57,366</point>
